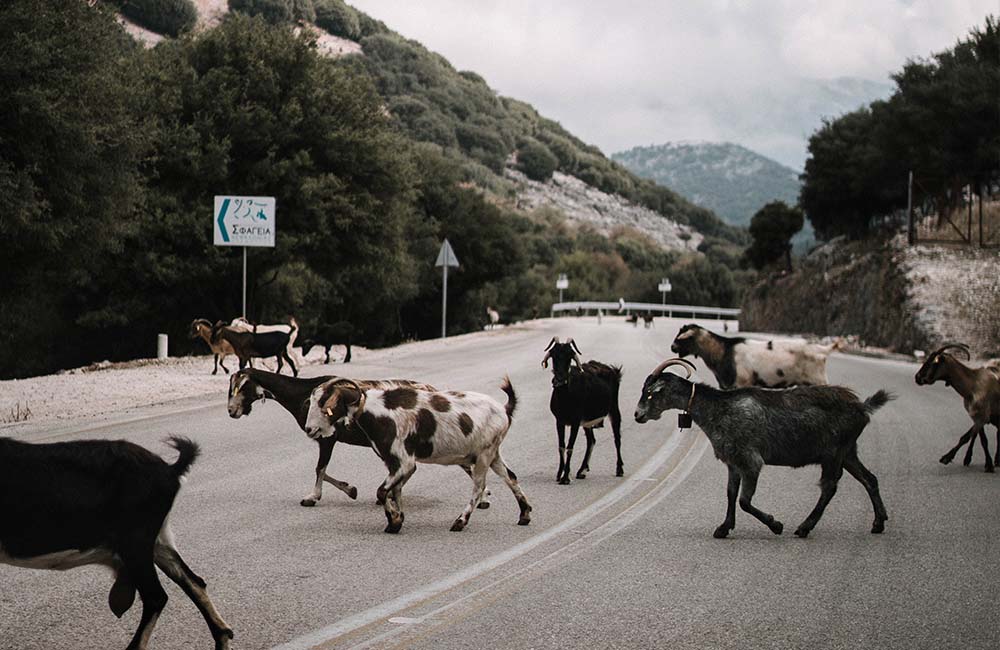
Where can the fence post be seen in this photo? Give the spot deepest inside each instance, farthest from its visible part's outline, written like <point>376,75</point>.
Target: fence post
<point>161,346</point>
<point>911,231</point>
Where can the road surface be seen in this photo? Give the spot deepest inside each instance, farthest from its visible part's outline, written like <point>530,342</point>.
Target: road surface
<point>606,563</point>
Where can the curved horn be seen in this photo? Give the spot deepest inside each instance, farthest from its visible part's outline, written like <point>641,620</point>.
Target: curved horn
<point>548,351</point>
<point>961,347</point>
<point>573,343</point>
<point>361,392</point>
<point>687,365</point>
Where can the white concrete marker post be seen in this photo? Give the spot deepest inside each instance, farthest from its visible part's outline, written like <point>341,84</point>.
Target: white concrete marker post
<point>562,282</point>
<point>244,221</point>
<point>446,257</point>
<point>664,288</point>
<point>161,346</point>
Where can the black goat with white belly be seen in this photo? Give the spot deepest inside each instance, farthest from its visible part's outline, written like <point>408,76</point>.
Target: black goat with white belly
<point>582,396</point>
<point>328,335</point>
<point>68,504</point>
<point>250,345</point>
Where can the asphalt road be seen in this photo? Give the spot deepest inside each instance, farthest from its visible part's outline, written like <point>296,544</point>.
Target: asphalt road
<point>606,562</point>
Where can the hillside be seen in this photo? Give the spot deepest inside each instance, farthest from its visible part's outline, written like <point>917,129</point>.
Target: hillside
<point>483,132</point>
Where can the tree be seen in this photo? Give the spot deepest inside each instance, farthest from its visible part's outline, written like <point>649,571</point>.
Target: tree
<point>772,229</point>
<point>536,161</point>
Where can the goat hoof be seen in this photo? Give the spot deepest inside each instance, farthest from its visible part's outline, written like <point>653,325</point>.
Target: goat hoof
<point>944,460</point>
<point>308,503</point>
<point>620,472</point>
<point>777,528</point>
<point>564,480</point>
<point>721,532</point>
<point>353,493</point>
<point>966,461</point>
<point>458,525</point>
<point>483,505</point>
<point>524,521</point>
<point>878,527</point>
<point>392,530</point>
<point>581,475</point>
<point>989,469</point>
<point>802,532</point>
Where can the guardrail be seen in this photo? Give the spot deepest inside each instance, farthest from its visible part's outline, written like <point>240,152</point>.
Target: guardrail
<point>612,308</point>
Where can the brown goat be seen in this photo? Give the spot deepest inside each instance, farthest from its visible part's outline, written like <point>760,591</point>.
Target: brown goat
<point>202,327</point>
<point>980,390</point>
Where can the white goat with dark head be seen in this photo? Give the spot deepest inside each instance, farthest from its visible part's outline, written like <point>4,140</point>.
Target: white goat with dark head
<point>406,426</point>
<point>739,362</point>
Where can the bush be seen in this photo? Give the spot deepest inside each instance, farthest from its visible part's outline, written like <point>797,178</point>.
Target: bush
<point>170,17</point>
<point>536,161</point>
<point>337,18</point>
<point>276,12</point>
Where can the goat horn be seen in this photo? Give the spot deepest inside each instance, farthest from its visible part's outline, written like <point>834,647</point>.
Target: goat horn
<point>573,343</point>
<point>555,339</point>
<point>962,347</point>
<point>361,394</point>
<point>687,365</point>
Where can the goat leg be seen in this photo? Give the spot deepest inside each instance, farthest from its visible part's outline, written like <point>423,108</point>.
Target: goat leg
<point>172,564</point>
<point>585,465</point>
<point>478,487</point>
<point>574,430</point>
<point>828,487</point>
<point>510,478</point>
<point>748,480</point>
<point>616,427</point>
<point>484,503</point>
<point>986,449</point>
<point>732,492</point>
<point>856,468</point>
<point>561,432</point>
<point>966,437</point>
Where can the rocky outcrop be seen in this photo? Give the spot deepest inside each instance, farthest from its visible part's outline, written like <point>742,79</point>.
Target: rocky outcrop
<point>583,204</point>
<point>887,293</point>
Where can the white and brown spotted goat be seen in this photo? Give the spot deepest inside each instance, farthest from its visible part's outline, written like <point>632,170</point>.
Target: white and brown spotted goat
<point>407,426</point>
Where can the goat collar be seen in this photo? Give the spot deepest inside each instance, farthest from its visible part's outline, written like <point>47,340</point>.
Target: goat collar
<point>684,419</point>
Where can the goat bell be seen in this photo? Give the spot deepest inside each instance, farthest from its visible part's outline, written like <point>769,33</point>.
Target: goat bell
<point>684,420</point>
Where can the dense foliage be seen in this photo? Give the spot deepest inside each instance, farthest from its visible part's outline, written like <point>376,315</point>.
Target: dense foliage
<point>772,229</point>
<point>942,122</point>
<point>110,156</point>
<point>169,17</point>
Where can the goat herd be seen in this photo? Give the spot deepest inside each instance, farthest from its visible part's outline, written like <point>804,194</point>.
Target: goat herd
<point>65,505</point>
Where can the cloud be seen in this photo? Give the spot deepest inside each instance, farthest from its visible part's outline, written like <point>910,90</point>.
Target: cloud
<point>762,74</point>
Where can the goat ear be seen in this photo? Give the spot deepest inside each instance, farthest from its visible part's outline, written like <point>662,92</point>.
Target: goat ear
<point>122,594</point>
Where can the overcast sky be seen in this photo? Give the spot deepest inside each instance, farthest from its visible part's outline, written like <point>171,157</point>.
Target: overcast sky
<point>640,72</point>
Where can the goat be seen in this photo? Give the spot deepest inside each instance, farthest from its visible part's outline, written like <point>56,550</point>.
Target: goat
<point>248,386</point>
<point>582,396</point>
<point>736,361</point>
<point>753,427</point>
<point>494,318</point>
<point>647,320</point>
<point>406,426</point>
<point>290,328</point>
<point>248,345</point>
<point>202,328</point>
<point>633,318</point>
<point>980,391</point>
<point>325,336</point>
<point>68,504</point>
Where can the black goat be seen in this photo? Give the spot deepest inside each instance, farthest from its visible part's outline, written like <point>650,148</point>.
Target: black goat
<point>753,427</point>
<point>248,345</point>
<point>325,336</point>
<point>68,504</point>
<point>582,396</point>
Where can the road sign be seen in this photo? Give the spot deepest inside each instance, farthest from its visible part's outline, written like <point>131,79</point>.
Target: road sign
<point>664,286</point>
<point>446,256</point>
<point>244,221</point>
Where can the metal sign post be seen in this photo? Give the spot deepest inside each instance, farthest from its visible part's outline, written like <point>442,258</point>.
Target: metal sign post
<point>562,282</point>
<point>664,288</point>
<point>446,257</point>
<point>244,221</point>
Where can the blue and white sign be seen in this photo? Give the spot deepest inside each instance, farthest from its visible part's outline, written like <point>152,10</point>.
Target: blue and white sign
<point>244,221</point>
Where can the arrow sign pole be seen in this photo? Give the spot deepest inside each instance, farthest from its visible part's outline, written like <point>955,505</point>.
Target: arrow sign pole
<point>446,257</point>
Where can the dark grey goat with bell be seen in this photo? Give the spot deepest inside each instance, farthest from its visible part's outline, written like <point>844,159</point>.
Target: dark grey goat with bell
<point>753,427</point>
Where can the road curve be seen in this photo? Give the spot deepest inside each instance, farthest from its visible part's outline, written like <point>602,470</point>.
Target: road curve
<point>606,563</point>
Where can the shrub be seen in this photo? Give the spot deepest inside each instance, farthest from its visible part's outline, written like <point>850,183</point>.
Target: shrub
<point>170,17</point>
<point>275,12</point>
<point>536,161</point>
<point>337,18</point>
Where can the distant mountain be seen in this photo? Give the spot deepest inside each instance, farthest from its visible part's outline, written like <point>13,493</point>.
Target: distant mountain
<point>726,178</point>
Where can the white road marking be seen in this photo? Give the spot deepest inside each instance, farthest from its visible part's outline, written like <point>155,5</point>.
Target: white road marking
<point>379,612</point>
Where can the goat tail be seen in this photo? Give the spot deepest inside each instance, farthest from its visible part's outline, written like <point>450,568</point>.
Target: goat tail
<point>877,401</point>
<point>506,387</point>
<point>294,324</point>
<point>188,450</point>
